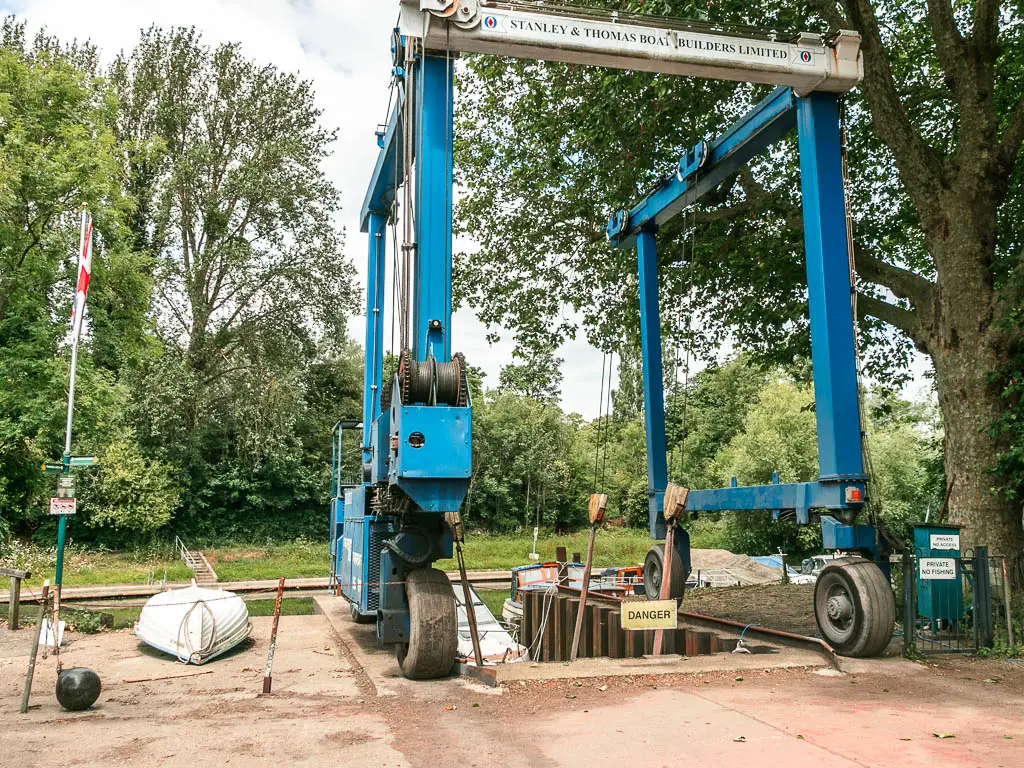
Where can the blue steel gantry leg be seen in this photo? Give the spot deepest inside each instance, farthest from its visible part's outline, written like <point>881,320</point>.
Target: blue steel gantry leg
<point>374,362</point>
<point>833,351</point>
<point>654,396</point>
<point>432,280</point>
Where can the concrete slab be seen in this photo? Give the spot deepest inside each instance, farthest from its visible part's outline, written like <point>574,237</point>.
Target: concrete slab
<point>383,672</point>
<point>210,719</point>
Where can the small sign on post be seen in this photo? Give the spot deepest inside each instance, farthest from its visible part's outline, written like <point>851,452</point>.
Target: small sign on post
<point>938,568</point>
<point>650,614</point>
<point>66,487</point>
<point>62,506</point>
<point>945,541</point>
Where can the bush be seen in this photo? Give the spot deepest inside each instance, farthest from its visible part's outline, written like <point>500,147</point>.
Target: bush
<point>83,622</point>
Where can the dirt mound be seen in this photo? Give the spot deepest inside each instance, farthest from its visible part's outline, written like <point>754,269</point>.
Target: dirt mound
<point>722,568</point>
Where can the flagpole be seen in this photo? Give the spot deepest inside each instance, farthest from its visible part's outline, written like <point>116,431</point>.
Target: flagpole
<point>76,330</point>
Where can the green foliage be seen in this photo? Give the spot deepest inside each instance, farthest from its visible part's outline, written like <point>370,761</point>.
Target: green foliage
<point>213,363</point>
<point>905,450</point>
<point>1008,431</point>
<point>129,492</point>
<point>546,151</point>
<point>779,435</point>
<point>528,465</point>
<point>538,376</point>
<point>82,621</point>
<point>58,152</point>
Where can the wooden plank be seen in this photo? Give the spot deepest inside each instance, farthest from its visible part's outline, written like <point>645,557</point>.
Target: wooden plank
<point>634,644</point>
<point>691,643</point>
<point>704,643</point>
<point>558,625</point>
<point>570,607</point>
<point>14,603</point>
<point>13,573</point>
<point>599,630</point>
<point>679,641</point>
<point>526,599</point>
<point>549,604</point>
<point>587,632</point>
<point>616,637</point>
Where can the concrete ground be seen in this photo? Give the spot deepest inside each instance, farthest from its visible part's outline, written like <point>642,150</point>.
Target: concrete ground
<point>338,701</point>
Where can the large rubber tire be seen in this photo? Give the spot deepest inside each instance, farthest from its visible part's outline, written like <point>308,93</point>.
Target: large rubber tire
<point>854,607</point>
<point>433,626</point>
<point>654,566</point>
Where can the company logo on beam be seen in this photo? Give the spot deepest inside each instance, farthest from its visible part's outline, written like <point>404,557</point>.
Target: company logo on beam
<point>806,57</point>
<point>490,22</point>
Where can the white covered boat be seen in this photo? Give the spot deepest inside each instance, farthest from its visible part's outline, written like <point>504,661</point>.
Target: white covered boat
<point>194,624</point>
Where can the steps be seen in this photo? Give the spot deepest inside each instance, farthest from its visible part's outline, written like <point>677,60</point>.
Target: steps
<point>197,562</point>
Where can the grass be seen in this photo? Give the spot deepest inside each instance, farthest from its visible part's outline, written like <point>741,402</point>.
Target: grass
<point>125,618</point>
<point>309,558</point>
<point>622,546</point>
<point>494,599</point>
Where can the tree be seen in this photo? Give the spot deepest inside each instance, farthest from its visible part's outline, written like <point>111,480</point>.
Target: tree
<point>224,159</point>
<point>129,493</point>
<point>226,165</point>
<point>538,376</point>
<point>935,137</point>
<point>528,465</point>
<point>57,153</point>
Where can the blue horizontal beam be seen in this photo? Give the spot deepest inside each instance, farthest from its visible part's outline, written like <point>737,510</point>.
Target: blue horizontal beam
<point>801,497</point>
<point>381,193</point>
<point>703,169</point>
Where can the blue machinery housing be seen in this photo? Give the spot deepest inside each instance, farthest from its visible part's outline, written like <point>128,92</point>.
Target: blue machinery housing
<point>416,456</point>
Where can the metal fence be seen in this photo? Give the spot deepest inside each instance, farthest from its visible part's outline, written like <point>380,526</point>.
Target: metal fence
<point>955,604</point>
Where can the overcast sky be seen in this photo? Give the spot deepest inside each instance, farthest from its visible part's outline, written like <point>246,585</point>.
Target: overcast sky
<point>343,47</point>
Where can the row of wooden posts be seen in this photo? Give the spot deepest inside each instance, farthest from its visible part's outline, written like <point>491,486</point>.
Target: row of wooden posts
<point>550,617</point>
<point>549,620</point>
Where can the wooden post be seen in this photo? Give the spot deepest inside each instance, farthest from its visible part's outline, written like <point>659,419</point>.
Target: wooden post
<point>785,572</point>
<point>14,597</point>
<point>563,571</point>
<point>598,502</point>
<point>35,649</point>
<point>267,679</point>
<point>675,507</point>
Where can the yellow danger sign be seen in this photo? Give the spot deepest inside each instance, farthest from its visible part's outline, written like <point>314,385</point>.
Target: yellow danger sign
<point>650,614</point>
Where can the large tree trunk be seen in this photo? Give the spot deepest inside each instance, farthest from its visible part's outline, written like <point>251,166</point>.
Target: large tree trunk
<point>969,405</point>
<point>967,346</point>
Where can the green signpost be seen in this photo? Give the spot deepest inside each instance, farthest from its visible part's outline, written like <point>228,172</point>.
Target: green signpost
<point>64,503</point>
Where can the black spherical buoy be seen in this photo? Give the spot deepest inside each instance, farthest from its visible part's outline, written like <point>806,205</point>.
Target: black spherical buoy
<point>78,688</point>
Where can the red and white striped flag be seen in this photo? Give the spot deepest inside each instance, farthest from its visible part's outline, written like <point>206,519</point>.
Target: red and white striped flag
<point>84,273</point>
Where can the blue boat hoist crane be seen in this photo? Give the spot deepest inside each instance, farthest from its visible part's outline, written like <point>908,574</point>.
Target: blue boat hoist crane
<point>389,526</point>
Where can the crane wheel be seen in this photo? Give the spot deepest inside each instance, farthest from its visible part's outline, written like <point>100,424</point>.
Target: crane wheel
<point>654,566</point>
<point>433,626</point>
<point>854,607</point>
